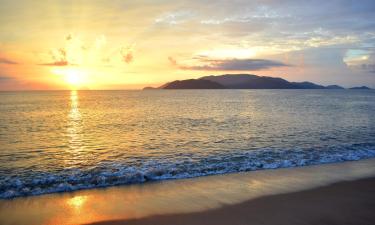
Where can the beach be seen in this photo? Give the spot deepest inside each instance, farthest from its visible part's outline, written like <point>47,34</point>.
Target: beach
<point>321,194</point>
<point>350,202</point>
<point>187,112</point>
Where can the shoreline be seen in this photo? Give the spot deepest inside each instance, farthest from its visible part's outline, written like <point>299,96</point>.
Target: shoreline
<point>19,190</point>
<point>185,196</point>
<point>347,202</point>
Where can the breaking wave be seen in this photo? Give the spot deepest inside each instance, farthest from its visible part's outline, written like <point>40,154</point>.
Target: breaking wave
<point>111,174</point>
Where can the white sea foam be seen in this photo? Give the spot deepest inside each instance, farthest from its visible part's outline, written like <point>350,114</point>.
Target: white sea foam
<point>117,174</point>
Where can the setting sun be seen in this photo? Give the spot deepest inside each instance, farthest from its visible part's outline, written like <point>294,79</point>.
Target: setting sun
<point>73,77</point>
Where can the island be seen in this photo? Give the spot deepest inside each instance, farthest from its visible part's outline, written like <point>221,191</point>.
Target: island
<point>360,88</point>
<point>193,84</point>
<point>244,81</point>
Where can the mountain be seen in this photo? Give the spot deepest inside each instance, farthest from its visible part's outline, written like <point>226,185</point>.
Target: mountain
<point>360,88</point>
<point>244,81</point>
<point>334,87</point>
<point>307,85</point>
<point>192,84</point>
<point>148,88</point>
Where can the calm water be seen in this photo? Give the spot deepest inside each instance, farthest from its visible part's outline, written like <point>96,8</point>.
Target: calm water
<point>62,141</point>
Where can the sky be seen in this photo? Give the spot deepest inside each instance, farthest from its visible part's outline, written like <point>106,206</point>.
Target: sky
<point>123,44</point>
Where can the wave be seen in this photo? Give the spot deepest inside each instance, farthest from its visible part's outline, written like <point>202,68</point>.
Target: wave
<point>111,174</point>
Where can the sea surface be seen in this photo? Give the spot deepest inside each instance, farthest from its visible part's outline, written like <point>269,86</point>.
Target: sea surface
<point>58,141</point>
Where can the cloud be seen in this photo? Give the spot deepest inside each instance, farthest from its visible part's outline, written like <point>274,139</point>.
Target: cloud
<point>370,68</point>
<point>59,57</point>
<point>79,52</point>
<point>235,64</point>
<point>7,81</point>
<point>128,57</point>
<point>58,63</point>
<point>362,60</point>
<point>127,54</point>
<point>172,61</point>
<point>174,18</point>
<point>69,37</point>
<point>7,61</point>
<point>5,78</point>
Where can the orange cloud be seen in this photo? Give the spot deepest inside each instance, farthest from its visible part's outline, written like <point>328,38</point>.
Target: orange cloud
<point>7,61</point>
<point>127,54</point>
<point>172,60</point>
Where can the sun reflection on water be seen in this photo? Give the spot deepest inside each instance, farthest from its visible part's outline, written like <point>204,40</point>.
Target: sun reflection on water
<point>75,122</point>
<point>74,111</point>
<point>74,130</point>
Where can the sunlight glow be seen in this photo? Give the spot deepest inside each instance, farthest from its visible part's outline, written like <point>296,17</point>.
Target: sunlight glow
<point>74,77</point>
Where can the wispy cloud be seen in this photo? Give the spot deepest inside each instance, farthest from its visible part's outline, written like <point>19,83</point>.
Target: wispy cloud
<point>57,63</point>
<point>235,65</point>
<point>172,60</point>
<point>370,68</point>
<point>127,54</point>
<point>7,61</point>
<point>173,18</point>
<point>58,56</point>
<point>5,78</point>
<point>80,52</point>
<point>361,60</point>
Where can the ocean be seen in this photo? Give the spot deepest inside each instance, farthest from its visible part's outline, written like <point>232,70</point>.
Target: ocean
<point>59,141</point>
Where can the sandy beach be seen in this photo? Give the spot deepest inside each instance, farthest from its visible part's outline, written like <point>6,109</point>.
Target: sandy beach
<point>322,194</point>
<point>351,202</point>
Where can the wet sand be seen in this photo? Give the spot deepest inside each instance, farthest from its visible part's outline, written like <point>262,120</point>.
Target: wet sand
<point>350,202</point>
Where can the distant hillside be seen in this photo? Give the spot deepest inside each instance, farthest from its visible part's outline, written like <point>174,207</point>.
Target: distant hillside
<point>334,87</point>
<point>244,81</point>
<point>360,88</point>
<point>248,81</point>
<point>192,84</point>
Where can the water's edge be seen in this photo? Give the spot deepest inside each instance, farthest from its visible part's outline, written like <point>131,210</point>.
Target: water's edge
<point>251,161</point>
<point>175,196</point>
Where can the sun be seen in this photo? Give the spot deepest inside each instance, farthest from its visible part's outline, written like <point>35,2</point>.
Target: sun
<point>74,77</point>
